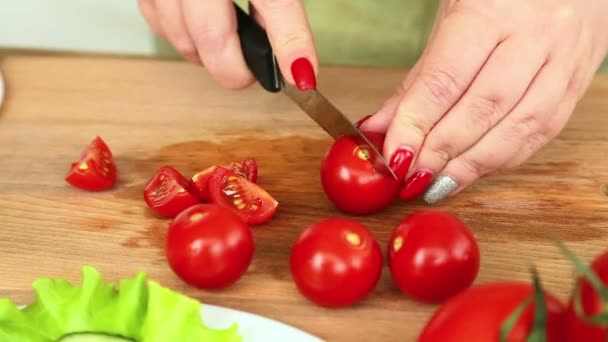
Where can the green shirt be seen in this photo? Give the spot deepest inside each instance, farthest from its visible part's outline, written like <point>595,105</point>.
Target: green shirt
<point>365,32</point>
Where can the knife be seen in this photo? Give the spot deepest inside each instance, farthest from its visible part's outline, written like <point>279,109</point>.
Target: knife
<point>260,59</point>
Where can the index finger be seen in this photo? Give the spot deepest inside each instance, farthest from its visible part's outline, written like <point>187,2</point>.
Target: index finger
<point>454,56</point>
<point>291,38</point>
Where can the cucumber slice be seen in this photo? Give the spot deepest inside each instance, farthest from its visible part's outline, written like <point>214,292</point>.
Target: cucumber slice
<point>93,337</point>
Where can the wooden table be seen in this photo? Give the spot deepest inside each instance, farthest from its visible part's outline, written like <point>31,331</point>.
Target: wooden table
<point>153,113</point>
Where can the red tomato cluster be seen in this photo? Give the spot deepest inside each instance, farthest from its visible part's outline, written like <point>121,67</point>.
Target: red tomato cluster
<point>232,186</point>
<point>209,243</point>
<point>432,256</point>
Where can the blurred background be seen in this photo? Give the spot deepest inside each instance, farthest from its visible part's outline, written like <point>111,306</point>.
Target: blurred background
<point>347,32</point>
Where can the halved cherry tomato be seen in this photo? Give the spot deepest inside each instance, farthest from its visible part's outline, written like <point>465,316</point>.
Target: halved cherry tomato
<point>576,328</point>
<point>168,193</point>
<point>209,246</point>
<point>351,182</point>
<point>252,203</point>
<point>432,256</point>
<point>247,168</point>
<point>336,262</point>
<point>478,313</point>
<point>95,170</point>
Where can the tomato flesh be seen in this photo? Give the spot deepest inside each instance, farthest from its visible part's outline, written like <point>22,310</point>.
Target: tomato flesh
<point>201,184</point>
<point>576,328</point>
<point>478,313</point>
<point>336,262</point>
<point>248,200</point>
<point>432,256</point>
<point>95,170</point>
<point>351,182</point>
<point>168,193</point>
<point>247,168</point>
<point>209,247</point>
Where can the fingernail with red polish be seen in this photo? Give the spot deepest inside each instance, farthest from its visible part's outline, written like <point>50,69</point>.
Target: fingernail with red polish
<point>303,74</point>
<point>415,185</point>
<point>401,162</point>
<point>362,121</point>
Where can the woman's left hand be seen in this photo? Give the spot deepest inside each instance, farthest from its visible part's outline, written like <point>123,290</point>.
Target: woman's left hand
<point>496,82</point>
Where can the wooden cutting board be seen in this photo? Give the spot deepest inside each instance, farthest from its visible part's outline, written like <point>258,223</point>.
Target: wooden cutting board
<point>154,113</point>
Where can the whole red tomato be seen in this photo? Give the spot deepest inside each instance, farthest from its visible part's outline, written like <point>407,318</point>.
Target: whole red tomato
<point>351,182</point>
<point>209,246</point>
<point>576,328</point>
<point>478,313</point>
<point>336,262</point>
<point>432,256</point>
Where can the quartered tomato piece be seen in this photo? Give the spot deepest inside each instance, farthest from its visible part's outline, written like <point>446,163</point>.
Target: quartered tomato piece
<point>95,169</point>
<point>168,193</point>
<point>247,168</point>
<point>252,203</point>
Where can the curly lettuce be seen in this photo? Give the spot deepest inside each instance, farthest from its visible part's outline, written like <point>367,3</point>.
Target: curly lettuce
<point>138,310</point>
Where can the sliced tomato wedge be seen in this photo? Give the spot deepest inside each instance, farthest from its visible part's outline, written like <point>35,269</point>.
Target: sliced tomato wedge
<point>201,183</point>
<point>247,168</point>
<point>168,193</point>
<point>95,170</point>
<point>252,203</point>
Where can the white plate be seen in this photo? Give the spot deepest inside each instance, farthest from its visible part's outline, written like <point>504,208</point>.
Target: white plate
<point>1,88</point>
<point>253,328</point>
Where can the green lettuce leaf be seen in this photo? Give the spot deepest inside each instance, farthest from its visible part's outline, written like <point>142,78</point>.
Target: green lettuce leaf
<point>177,318</point>
<point>140,310</point>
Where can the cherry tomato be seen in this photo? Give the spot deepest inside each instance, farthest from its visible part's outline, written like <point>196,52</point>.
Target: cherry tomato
<point>351,182</point>
<point>247,168</point>
<point>201,183</point>
<point>168,193</point>
<point>576,328</point>
<point>478,313</point>
<point>336,262</point>
<point>253,204</point>
<point>432,256</point>
<point>95,170</point>
<point>209,247</point>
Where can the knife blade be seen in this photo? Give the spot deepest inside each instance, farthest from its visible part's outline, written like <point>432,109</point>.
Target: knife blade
<point>336,124</point>
<point>260,59</point>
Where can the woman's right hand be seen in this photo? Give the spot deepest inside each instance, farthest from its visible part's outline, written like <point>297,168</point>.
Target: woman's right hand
<point>205,32</point>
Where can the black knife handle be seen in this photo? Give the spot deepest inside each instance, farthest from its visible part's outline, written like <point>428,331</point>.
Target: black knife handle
<point>257,52</point>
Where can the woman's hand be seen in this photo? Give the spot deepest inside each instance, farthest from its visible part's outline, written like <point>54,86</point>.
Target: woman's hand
<point>205,32</point>
<point>497,81</point>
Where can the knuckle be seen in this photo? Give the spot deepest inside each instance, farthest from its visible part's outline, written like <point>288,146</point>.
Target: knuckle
<point>441,152</point>
<point>525,126</point>
<point>293,39</point>
<point>185,47</point>
<point>441,86</point>
<point>474,167</point>
<point>413,125</point>
<point>485,111</point>
<point>211,38</point>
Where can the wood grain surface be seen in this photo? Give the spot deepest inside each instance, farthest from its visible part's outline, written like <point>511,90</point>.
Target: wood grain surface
<point>154,113</point>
